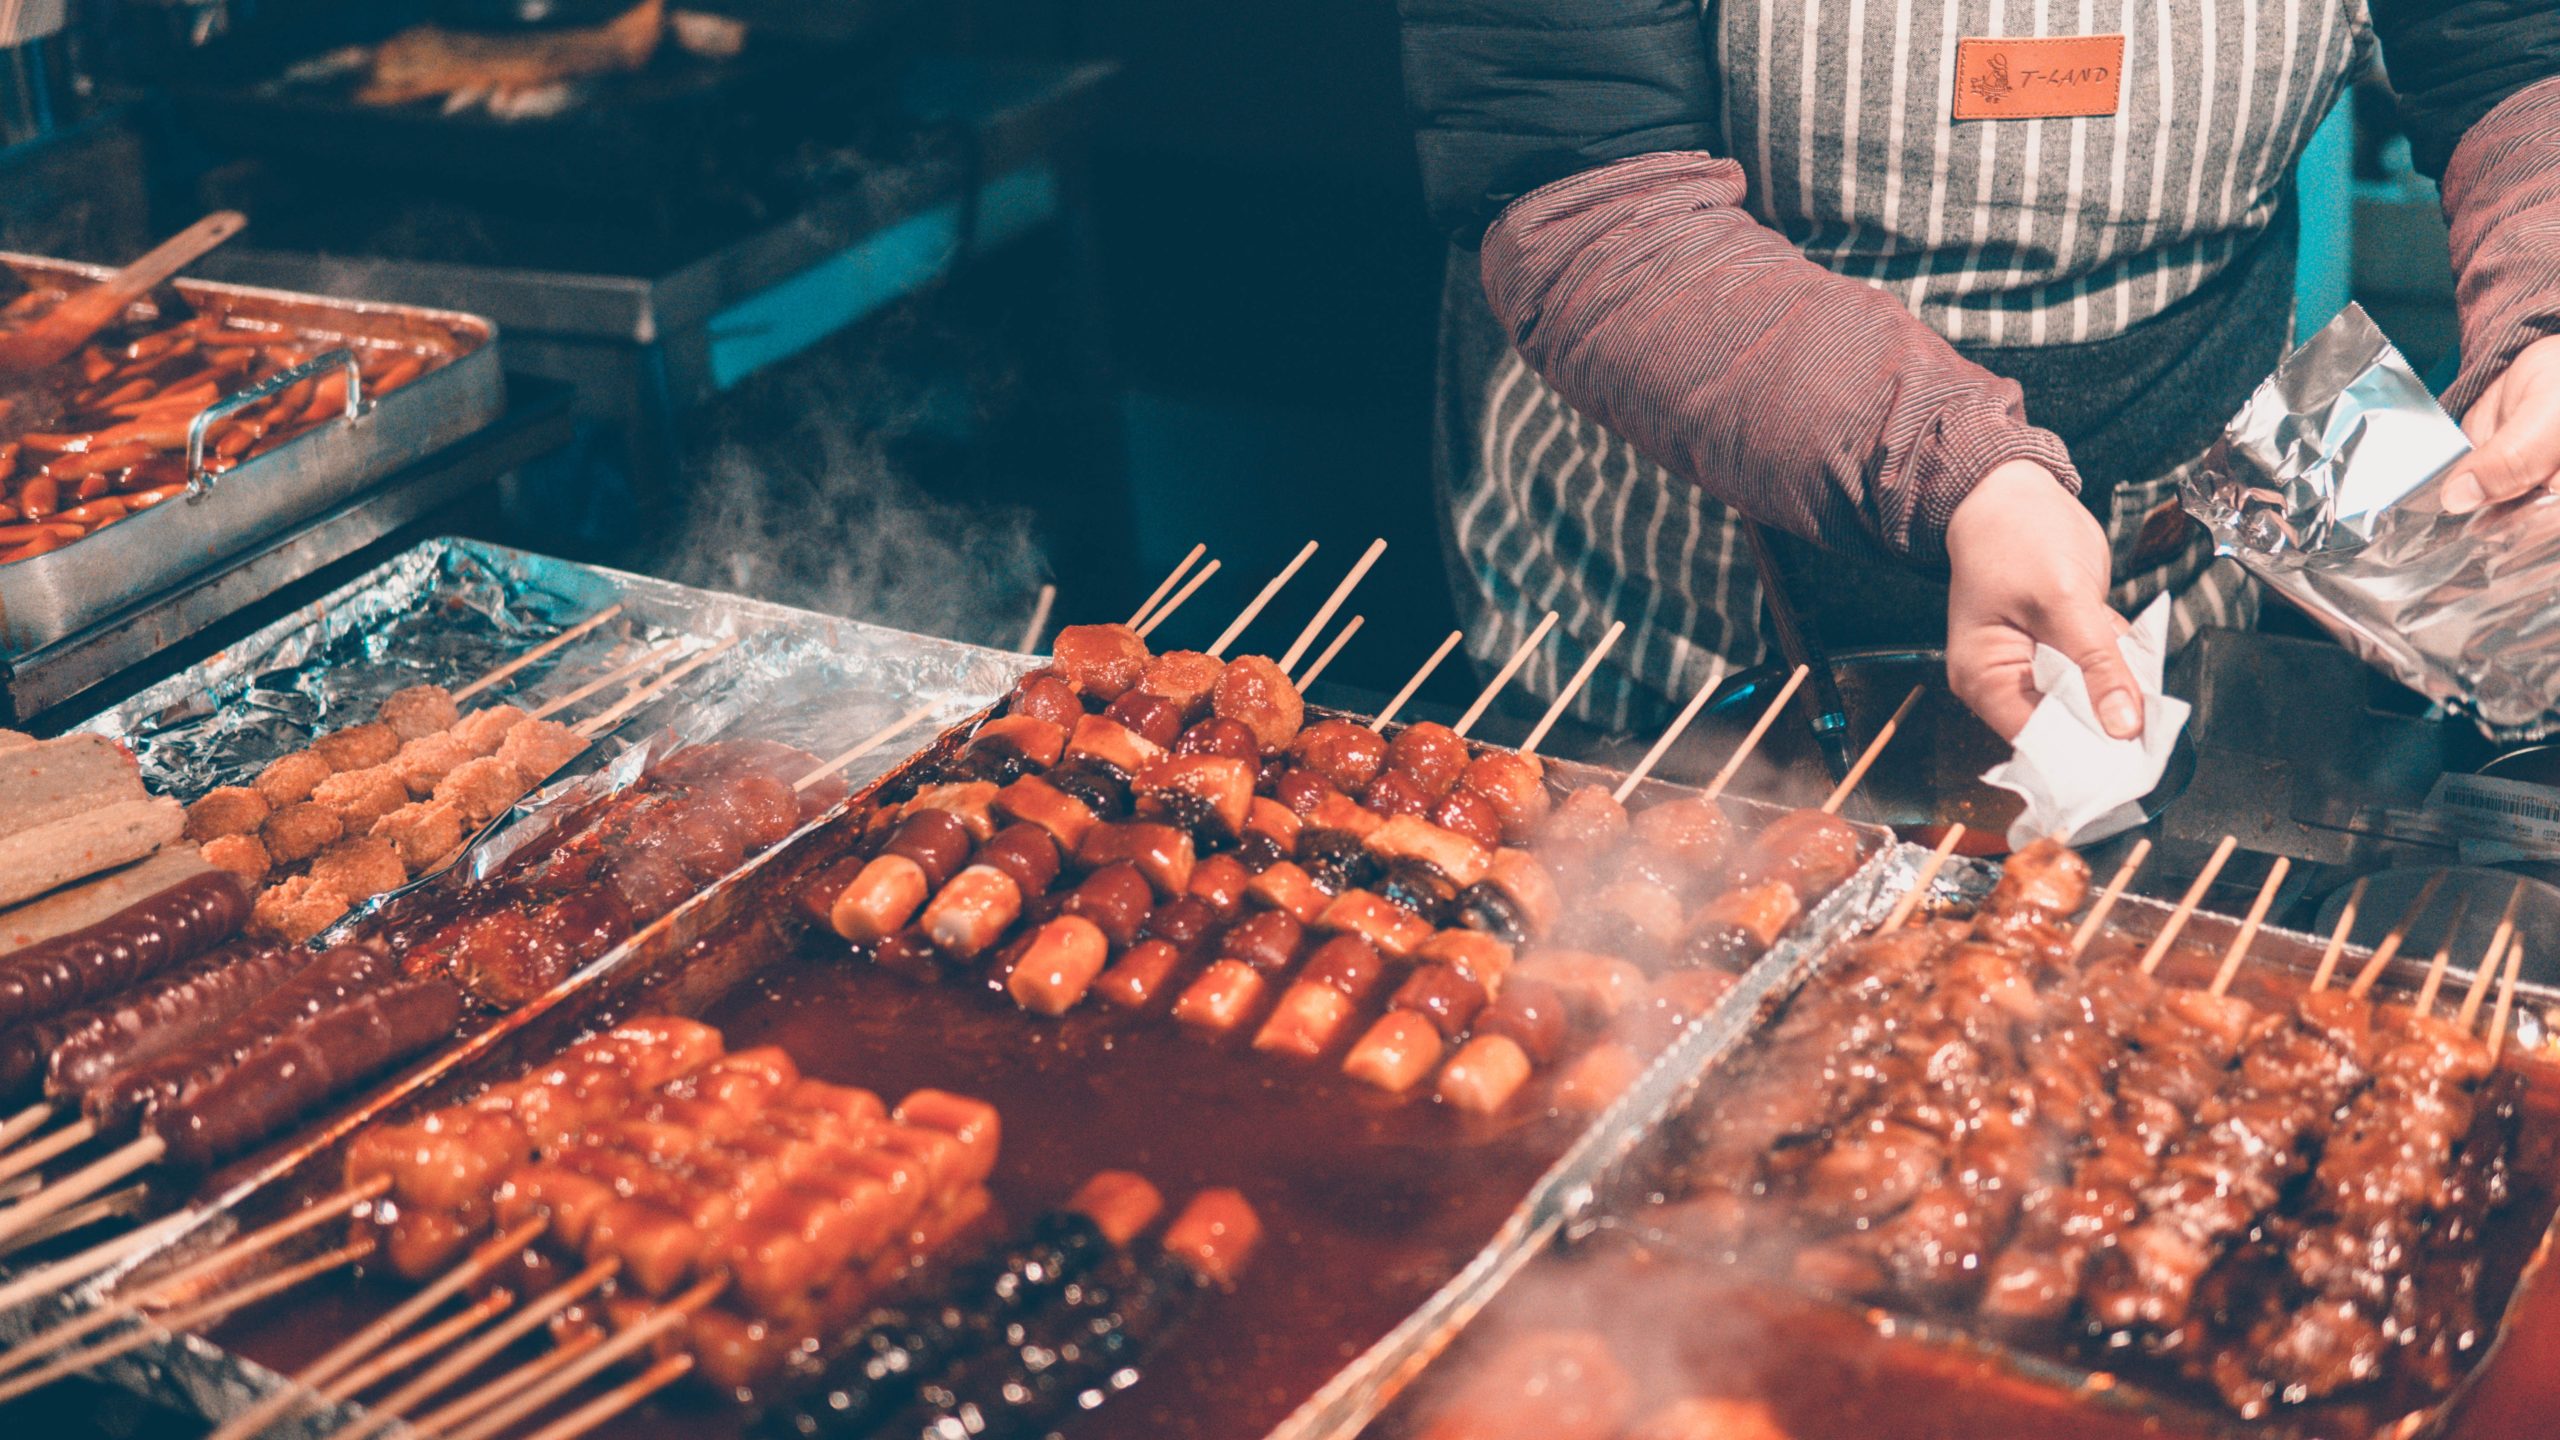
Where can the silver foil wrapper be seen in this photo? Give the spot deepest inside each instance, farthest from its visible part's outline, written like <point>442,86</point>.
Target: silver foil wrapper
<point>2329,487</point>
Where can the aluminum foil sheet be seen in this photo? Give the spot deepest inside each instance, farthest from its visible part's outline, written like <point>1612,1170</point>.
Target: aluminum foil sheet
<point>2329,487</point>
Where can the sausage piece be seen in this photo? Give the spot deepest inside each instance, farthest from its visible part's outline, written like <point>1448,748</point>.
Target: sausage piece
<point>1059,965</point>
<point>1185,677</point>
<point>1255,694</point>
<point>1044,695</point>
<point>1348,756</point>
<point>1117,900</point>
<point>137,942</point>
<point>1162,853</point>
<point>1101,661</point>
<point>879,902</point>
<point>973,911</point>
<point>1430,754</point>
<point>1152,716</point>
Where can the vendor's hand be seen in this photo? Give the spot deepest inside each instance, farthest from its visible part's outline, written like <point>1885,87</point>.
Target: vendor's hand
<point>2515,433</point>
<point>2030,564</point>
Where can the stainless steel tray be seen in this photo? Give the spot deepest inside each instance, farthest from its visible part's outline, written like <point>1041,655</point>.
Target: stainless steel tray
<point>51,596</point>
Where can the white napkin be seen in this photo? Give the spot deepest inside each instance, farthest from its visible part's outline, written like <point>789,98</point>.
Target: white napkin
<point>2078,781</point>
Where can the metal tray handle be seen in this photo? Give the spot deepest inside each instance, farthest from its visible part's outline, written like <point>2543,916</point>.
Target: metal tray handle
<point>199,482</point>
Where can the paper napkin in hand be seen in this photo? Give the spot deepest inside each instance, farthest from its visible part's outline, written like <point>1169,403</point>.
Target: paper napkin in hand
<point>2079,782</point>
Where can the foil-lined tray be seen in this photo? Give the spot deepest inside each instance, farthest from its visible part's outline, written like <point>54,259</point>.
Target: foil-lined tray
<point>2009,1389</point>
<point>726,937</point>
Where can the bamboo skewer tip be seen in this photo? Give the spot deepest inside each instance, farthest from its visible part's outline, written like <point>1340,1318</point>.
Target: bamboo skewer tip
<point>1502,677</point>
<point>1759,728</point>
<point>1564,697</point>
<point>2338,936</point>
<point>1875,748</point>
<point>1165,586</point>
<point>2248,934</point>
<point>1928,876</point>
<point>2187,903</point>
<point>1180,596</point>
<point>1387,712</point>
<point>565,637</point>
<point>1324,657</point>
<point>1236,627</point>
<point>2092,922</point>
<point>1324,613</point>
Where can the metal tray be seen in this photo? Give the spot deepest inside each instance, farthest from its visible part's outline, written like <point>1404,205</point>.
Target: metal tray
<point>1881,1341</point>
<point>51,596</point>
<point>727,938</point>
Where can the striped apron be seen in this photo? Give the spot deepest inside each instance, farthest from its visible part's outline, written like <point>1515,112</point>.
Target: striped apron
<point>2032,245</point>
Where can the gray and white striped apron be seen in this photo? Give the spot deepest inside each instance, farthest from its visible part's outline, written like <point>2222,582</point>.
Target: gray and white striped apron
<point>1998,234</point>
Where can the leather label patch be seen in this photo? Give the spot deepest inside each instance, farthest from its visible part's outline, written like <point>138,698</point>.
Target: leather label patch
<point>2039,79</point>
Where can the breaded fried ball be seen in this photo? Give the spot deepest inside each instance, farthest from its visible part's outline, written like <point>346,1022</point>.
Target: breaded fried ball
<point>538,747</point>
<point>420,710</point>
<point>242,855</point>
<point>360,869</point>
<point>483,731</point>
<point>482,789</point>
<point>423,831</point>
<point>227,810</point>
<point>298,832</point>
<point>289,781</point>
<point>295,910</point>
<point>424,762</point>
<point>358,747</point>
<point>362,796</point>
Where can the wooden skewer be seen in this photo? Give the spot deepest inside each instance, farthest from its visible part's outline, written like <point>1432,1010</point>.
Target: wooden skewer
<point>1179,596</point>
<point>2506,997</point>
<point>2338,936</point>
<point>1581,676</point>
<point>127,1201</point>
<point>1341,638</point>
<point>1324,613</point>
<point>69,1137</point>
<point>2187,903</point>
<point>1920,883</point>
<point>1236,626</point>
<point>1138,616</point>
<point>1503,676</point>
<point>616,1400</point>
<point>80,1184</point>
<point>2389,949</point>
<point>1663,742</point>
<point>2486,971</point>
<point>2248,935</point>
<point>675,1312</point>
<point>1734,762</point>
<point>878,738</point>
<point>477,1353</point>
<point>443,1419</point>
<point>2434,983</point>
<point>2107,898</point>
<point>565,637</point>
<point>618,673</point>
<point>1395,702</point>
<point>55,1276</point>
<point>185,1277</point>
<point>25,1123</point>
<point>487,1256</point>
<point>1867,757</point>
<point>596,726</point>
<point>417,1347</point>
<point>187,1318</point>
<point>1039,620</point>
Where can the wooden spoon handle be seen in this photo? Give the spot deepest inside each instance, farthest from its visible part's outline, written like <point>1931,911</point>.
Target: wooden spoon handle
<point>70,324</point>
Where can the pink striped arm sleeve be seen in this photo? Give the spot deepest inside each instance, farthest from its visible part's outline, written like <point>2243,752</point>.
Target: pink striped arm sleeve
<point>2502,199</point>
<point>1652,301</point>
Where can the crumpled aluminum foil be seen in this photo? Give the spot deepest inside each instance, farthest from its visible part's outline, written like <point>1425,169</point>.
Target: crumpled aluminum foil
<point>2328,486</point>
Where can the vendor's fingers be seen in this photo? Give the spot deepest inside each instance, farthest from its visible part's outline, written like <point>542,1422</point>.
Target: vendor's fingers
<point>2515,427</point>
<point>2087,631</point>
<point>1998,687</point>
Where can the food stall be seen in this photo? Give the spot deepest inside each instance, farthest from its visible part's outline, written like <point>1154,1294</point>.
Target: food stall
<point>450,989</point>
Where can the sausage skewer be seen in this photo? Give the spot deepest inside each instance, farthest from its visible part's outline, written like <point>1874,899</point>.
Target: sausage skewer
<point>1920,883</point>
<point>598,725</point>
<point>2186,907</point>
<point>2107,898</point>
<point>1572,687</point>
<point>1317,666</point>
<point>881,737</point>
<point>1387,712</point>
<point>1502,677</point>
<point>1179,596</point>
<point>380,1414</point>
<point>1163,588</point>
<point>2389,949</point>
<point>616,1400</point>
<point>1867,758</point>
<point>569,1377</point>
<point>1244,618</point>
<point>1324,613</point>
<point>2248,934</point>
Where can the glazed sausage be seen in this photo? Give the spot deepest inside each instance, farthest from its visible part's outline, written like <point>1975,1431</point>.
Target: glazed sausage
<point>1396,793</point>
<point>322,985</point>
<point>1223,881</point>
<point>1431,755</point>
<point>1153,716</point>
<point>1043,695</point>
<point>1222,997</point>
<point>1467,813</point>
<point>1443,995</point>
<point>1301,790</point>
<point>73,1051</point>
<point>936,840</point>
<point>1514,785</point>
<point>1059,965</point>
<point>1455,856</point>
<point>1200,793</point>
<point>1531,1014</point>
<point>1101,661</point>
<point>1396,1052</point>
<point>1589,822</point>
<point>1032,800</point>
<point>1185,923</point>
<point>972,912</point>
<point>1806,850</point>
<point>1022,740</point>
<point>1219,735</point>
<point>137,942</point>
<point>1485,1073</point>
<point>879,902</point>
<point>1115,898</point>
<point>1106,741</point>
<point>1288,888</point>
<point>1186,677</point>
<point>1025,852</point>
<point>1347,755</point>
<point>1140,974</point>
<point>1162,853</point>
<point>1691,829</point>
<point>1254,693</point>
<point>1267,940</point>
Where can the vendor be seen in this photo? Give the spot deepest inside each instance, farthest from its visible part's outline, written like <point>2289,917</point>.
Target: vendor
<point>1957,293</point>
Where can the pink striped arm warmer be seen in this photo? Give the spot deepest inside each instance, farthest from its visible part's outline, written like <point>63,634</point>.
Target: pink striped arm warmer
<point>2502,198</point>
<point>1649,299</point>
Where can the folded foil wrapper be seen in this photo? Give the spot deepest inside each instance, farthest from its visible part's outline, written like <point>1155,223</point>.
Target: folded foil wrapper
<point>2329,486</point>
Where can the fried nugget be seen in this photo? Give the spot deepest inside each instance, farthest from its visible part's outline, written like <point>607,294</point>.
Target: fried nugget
<point>424,762</point>
<point>482,789</point>
<point>288,781</point>
<point>227,810</point>
<point>420,711</point>
<point>298,832</point>
<point>360,869</point>
<point>483,731</point>
<point>538,747</point>
<point>362,796</point>
<point>242,855</point>
<point>358,747</point>
<point>423,831</point>
<point>295,910</point>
